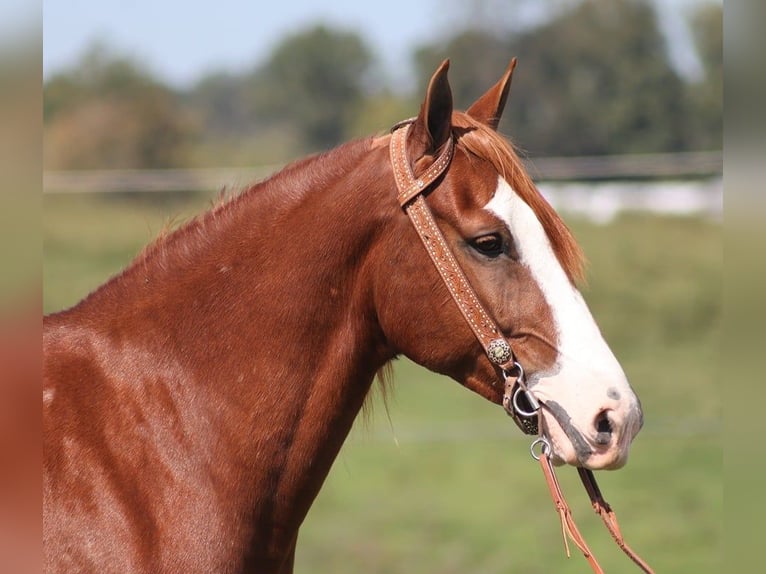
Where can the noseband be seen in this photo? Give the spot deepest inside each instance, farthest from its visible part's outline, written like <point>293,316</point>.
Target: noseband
<point>518,401</point>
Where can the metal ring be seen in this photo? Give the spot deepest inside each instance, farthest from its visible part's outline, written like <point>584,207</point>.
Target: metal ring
<point>516,365</point>
<point>544,450</point>
<point>530,399</point>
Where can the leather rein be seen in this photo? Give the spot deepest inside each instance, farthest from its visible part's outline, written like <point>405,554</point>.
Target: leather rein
<point>518,402</point>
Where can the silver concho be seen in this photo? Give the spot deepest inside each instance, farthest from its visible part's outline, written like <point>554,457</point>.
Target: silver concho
<point>499,351</point>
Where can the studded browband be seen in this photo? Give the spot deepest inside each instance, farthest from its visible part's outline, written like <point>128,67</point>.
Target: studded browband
<point>489,335</point>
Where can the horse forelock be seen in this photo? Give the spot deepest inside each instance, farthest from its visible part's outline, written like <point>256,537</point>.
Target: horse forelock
<point>482,141</point>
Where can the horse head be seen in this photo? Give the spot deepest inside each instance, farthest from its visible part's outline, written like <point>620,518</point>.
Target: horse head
<point>523,264</point>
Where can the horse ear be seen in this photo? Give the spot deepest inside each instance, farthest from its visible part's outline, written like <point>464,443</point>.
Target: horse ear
<point>433,125</point>
<point>489,108</point>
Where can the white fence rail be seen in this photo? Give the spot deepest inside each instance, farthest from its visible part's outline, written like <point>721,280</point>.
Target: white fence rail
<point>653,166</point>
<point>148,180</point>
<point>603,201</point>
<point>598,188</point>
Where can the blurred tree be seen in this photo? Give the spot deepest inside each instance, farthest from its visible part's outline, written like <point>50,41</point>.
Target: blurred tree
<point>222,102</point>
<point>379,112</point>
<point>315,81</point>
<point>596,80</point>
<point>593,76</point>
<point>706,97</point>
<point>107,112</point>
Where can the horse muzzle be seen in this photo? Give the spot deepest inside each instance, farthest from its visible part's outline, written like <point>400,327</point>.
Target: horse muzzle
<point>602,443</point>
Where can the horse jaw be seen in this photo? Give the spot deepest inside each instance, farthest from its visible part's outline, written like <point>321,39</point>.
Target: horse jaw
<point>590,413</point>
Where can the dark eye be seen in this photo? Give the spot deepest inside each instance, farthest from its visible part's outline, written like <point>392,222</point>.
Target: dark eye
<point>489,245</point>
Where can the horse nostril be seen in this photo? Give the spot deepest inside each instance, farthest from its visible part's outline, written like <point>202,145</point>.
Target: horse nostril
<point>603,428</point>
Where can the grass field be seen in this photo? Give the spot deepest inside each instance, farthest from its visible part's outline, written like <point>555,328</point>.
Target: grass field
<point>447,486</point>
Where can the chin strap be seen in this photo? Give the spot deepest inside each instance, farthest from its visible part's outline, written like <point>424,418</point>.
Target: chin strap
<point>569,529</point>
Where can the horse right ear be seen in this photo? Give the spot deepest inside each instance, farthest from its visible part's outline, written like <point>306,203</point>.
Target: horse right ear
<point>489,107</point>
<point>433,126</point>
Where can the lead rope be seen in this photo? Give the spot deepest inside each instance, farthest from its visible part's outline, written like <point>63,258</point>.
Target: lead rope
<point>569,529</point>
<point>608,517</point>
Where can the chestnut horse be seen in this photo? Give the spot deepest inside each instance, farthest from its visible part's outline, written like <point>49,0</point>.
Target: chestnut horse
<point>193,404</point>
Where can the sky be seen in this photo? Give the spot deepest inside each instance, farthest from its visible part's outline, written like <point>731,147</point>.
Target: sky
<point>180,41</point>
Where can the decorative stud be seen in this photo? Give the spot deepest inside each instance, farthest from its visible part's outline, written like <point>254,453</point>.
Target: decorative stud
<point>499,351</point>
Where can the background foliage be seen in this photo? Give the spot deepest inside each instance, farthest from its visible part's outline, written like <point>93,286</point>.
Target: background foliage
<point>595,78</point>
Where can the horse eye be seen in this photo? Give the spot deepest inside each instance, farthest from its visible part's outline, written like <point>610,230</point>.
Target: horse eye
<point>489,245</point>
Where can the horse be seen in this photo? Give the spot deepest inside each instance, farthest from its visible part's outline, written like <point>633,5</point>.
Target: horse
<point>194,403</point>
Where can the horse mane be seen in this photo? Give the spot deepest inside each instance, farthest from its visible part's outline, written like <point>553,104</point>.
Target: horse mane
<point>182,240</point>
<point>482,141</point>
<point>276,192</point>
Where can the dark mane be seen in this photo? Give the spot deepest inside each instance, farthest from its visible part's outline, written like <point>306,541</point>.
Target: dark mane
<point>482,141</point>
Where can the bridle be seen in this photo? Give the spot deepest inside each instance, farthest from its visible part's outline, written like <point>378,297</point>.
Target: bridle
<point>518,402</point>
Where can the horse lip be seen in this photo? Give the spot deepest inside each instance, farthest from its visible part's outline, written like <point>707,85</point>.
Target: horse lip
<point>582,447</point>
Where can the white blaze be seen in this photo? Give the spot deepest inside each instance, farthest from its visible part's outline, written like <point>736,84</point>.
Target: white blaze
<point>586,378</point>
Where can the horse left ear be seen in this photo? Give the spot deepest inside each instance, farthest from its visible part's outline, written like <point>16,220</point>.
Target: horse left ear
<point>489,108</point>
<point>433,126</point>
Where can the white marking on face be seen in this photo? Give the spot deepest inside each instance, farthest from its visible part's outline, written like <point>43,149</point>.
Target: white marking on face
<point>586,375</point>
<point>48,396</point>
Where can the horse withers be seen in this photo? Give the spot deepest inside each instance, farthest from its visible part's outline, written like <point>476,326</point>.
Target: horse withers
<point>193,404</point>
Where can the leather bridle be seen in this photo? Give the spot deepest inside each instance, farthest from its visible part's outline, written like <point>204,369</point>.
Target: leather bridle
<point>518,402</point>
<point>489,335</point>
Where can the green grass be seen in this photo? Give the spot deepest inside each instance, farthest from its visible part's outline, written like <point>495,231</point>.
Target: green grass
<point>448,485</point>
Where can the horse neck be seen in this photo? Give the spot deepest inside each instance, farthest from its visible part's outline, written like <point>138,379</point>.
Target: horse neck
<point>263,315</point>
